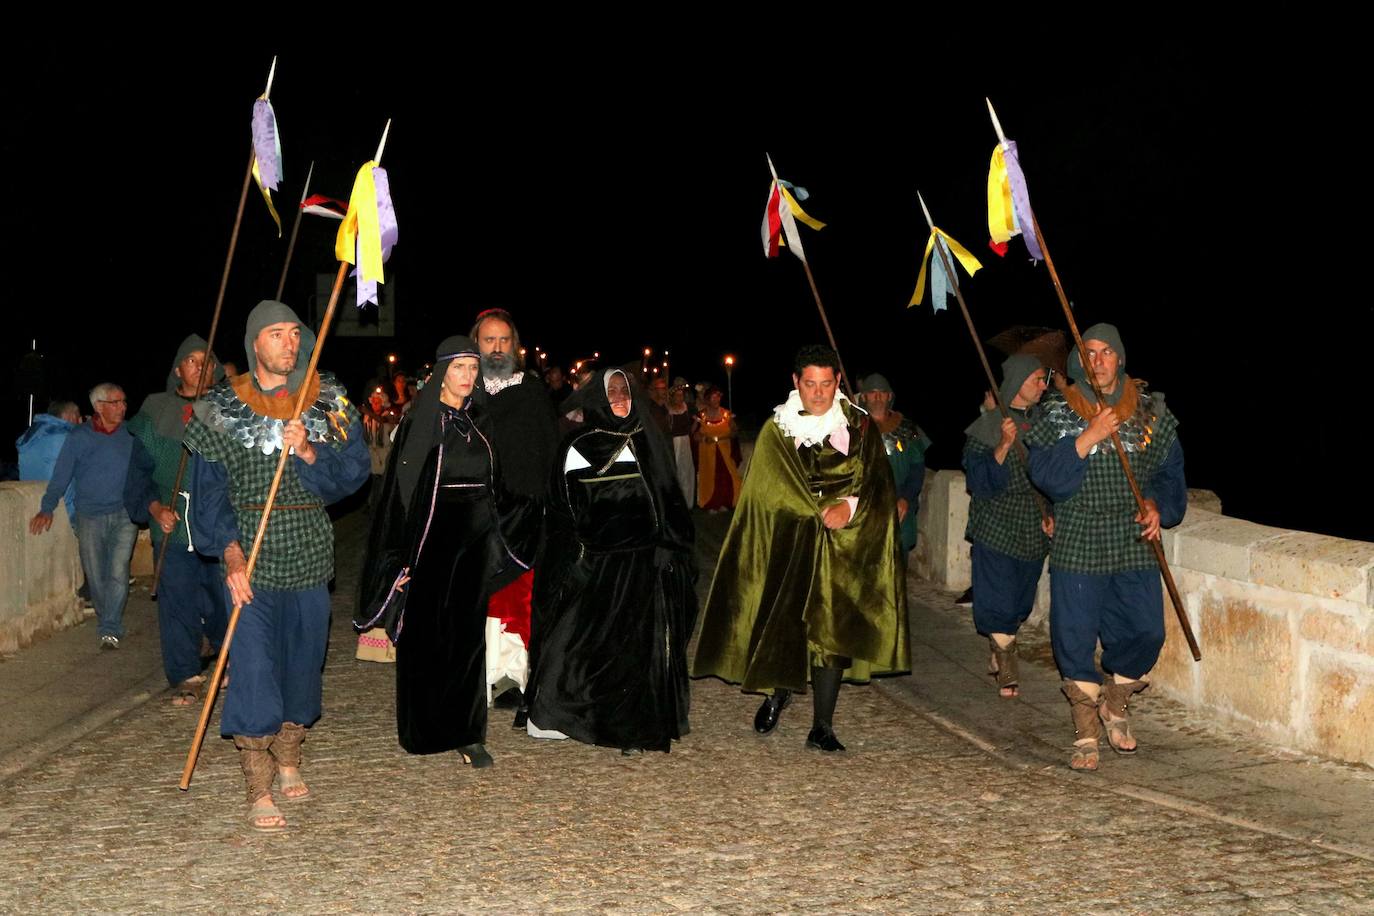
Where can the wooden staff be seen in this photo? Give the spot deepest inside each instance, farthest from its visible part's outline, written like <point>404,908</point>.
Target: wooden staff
<point>203,382</point>
<point>212,688</point>
<point>982,354</point>
<point>1155,543</point>
<point>295,230</point>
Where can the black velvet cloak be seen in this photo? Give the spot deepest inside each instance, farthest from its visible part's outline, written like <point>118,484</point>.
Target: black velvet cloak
<point>614,603</point>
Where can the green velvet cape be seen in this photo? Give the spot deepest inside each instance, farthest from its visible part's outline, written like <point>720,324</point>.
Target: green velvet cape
<point>788,590</point>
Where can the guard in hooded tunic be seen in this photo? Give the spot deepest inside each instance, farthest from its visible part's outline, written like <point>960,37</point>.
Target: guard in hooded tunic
<point>1104,578</point>
<point>1010,535</point>
<point>190,607</point>
<point>237,431</point>
<point>811,583</point>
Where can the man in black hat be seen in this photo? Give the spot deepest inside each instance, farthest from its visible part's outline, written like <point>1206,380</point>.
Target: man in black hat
<point>235,436</point>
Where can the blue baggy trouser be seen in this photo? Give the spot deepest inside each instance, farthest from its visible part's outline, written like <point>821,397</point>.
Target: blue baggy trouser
<point>1003,590</point>
<point>190,605</point>
<point>276,661</point>
<point>1124,610</point>
<point>106,544</point>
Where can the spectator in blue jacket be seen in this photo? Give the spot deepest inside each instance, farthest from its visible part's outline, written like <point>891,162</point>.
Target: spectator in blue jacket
<point>40,444</point>
<point>95,459</point>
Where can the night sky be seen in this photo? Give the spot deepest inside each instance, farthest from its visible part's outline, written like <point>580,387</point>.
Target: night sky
<point>1208,198</point>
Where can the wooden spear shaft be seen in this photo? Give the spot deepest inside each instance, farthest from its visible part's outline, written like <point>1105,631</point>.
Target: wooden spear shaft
<point>987,367</point>
<point>1156,543</point>
<point>212,687</point>
<point>820,306</point>
<point>295,230</point>
<point>205,365</point>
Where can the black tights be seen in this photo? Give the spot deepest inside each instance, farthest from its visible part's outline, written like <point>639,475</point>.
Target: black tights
<point>825,692</point>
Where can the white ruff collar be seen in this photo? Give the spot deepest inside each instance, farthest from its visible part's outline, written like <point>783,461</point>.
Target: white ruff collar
<point>806,429</point>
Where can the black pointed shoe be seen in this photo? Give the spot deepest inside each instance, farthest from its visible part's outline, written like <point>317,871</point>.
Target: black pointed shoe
<point>766,719</point>
<point>822,738</point>
<point>475,756</point>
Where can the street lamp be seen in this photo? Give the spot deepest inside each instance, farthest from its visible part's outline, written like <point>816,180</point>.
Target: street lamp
<point>729,382</point>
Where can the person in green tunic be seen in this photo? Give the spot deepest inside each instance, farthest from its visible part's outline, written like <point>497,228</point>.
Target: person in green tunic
<point>190,606</point>
<point>810,582</point>
<point>906,445</point>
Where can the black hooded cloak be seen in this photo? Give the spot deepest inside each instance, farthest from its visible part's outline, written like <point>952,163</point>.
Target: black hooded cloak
<point>614,603</point>
<point>440,521</point>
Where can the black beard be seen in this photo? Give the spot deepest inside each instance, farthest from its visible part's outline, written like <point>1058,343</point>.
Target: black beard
<point>498,366</point>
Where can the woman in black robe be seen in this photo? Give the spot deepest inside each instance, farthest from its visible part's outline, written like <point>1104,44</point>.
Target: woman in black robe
<point>436,547</point>
<point>614,604</point>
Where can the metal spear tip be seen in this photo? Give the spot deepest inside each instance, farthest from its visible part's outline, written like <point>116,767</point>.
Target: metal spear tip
<point>996,124</point>
<point>381,146</point>
<point>926,210</point>
<point>267,93</point>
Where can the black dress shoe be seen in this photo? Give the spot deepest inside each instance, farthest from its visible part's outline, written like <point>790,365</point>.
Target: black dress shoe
<point>822,738</point>
<point>522,716</point>
<point>766,719</point>
<point>475,756</point>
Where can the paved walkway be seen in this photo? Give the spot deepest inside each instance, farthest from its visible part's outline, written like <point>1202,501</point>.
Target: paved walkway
<point>949,800</point>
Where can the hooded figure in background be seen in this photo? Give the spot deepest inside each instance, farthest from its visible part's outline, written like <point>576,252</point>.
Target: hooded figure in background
<point>190,606</point>
<point>906,445</point>
<point>445,532</point>
<point>614,604</point>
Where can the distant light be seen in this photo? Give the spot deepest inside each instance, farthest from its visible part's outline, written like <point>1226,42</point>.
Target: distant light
<point>647,351</point>
<point>391,357</point>
<point>729,360</point>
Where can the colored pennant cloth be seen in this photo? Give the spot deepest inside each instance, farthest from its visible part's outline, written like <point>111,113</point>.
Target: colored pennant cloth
<point>369,231</point>
<point>780,219</point>
<point>1009,209</point>
<point>940,288</point>
<point>267,169</point>
<point>329,207</point>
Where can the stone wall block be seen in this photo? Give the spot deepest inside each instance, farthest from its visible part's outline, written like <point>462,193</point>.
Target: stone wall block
<point>1176,672</point>
<point>1314,564</point>
<point>1340,707</point>
<point>1221,546</point>
<point>1249,654</point>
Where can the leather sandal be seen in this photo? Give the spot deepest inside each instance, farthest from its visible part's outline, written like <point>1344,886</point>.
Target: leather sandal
<point>1086,725</point>
<point>1003,667</point>
<point>293,783</point>
<point>189,691</point>
<point>1112,710</point>
<point>1085,757</point>
<point>263,809</point>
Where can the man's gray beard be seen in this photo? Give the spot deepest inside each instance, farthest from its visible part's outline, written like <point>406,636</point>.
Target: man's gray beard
<point>497,366</point>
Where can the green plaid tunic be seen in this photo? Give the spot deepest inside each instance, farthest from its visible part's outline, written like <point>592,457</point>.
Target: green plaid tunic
<point>1095,531</point>
<point>1010,521</point>
<point>298,548</point>
<point>166,454</point>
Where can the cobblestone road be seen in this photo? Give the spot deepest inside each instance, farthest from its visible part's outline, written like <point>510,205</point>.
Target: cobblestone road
<point>911,820</point>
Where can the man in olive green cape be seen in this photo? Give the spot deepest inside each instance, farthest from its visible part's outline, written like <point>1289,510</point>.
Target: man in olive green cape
<point>811,577</point>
